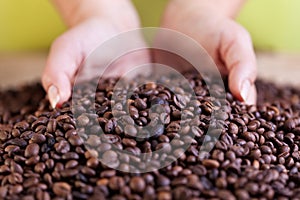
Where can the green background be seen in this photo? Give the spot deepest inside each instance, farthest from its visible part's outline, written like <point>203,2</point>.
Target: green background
<point>33,24</point>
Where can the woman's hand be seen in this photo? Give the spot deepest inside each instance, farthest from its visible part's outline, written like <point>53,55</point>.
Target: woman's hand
<point>91,22</point>
<point>229,44</point>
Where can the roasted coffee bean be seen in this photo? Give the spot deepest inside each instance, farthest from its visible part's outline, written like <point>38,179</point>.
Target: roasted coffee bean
<point>38,138</point>
<point>71,164</point>
<point>130,130</point>
<point>69,172</point>
<point>249,136</point>
<point>12,149</point>
<point>32,160</point>
<point>140,104</point>
<point>116,183</point>
<point>250,152</point>
<point>15,167</point>
<point>51,126</point>
<point>40,167</point>
<point>75,140</point>
<point>209,163</point>
<point>93,141</point>
<point>233,128</point>
<point>162,181</point>
<point>17,141</point>
<point>110,156</point>
<point>32,150</point>
<point>62,147</point>
<point>83,120</point>
<point>129,142</point>
<point>137,184</point>
<point>164,195</point>
<point>62,189</point>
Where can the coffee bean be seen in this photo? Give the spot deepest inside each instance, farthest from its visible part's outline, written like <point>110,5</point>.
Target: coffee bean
<point>71,164</point>
<point>88,171</point>
<point>140,104</point>
<point>4,135</point>
<point>129,142</point>
<point>3,191</point>
<point>69,172</point>
<point>17,141</point>
<point>39,167</point>
<point>266,149</point>
<point>255,154</point>
<point>62,147</point>
<point>164,195</point>
<point>51,126</point>
<point>233,128</point>
<point>30,182</point>
<point>109,156</point>
<point>130,130</point>
<point>4,169</point>
<point>137,184</point>
<point>210,163</point>
<point>249,136</point>
<point>83,120</point>
<point>16,189</point>
<point>252,188</point>
<point>162,181</point>
<point>92,162</point>
<point>32,150</point>
<point>116,183</point>
<point>75,140</point>
<point>254,149</point>
<point>242,194</point>
<point>32,160</point>
<point>12,149</point>
<point>133,111</point>
<point>38,138</point>
<point>62,189</point>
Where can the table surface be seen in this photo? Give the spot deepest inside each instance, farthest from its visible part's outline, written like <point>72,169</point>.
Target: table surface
<point>15,69</point>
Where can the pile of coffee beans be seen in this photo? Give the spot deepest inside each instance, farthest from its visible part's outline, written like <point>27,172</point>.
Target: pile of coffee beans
<point>77,151</point>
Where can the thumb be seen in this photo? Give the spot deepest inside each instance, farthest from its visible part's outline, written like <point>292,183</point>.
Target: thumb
<point>237,52</point>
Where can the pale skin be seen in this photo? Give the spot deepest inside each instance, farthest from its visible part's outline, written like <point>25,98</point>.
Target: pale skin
<point>91,22</point>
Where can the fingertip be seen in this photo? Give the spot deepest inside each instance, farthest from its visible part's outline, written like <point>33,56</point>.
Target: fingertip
<point>58,88</point>
<point>252,96</point>
<point>243,89</point>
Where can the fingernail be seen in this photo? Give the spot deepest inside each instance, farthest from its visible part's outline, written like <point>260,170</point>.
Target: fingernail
<point>245,89</point>
<point>53,96</point>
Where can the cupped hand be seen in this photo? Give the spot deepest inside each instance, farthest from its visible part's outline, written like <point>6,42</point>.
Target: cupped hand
<point>70,50</point>
<point>228,43</point>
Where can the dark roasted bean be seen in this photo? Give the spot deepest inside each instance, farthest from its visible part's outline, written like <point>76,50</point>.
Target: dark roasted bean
<point>83,120</point>
<point>130,130</point>
<point>32,150</point>
<point>116,183</point>
<point>75,140</point>
<point>250,152</point>
<point>140,104</point>
<point>62,189</point>
<point>62,147</point>
<point>210,163</point>
<point>137,184</point>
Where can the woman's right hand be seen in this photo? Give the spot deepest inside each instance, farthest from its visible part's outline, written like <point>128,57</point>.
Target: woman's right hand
<point>91,23</point>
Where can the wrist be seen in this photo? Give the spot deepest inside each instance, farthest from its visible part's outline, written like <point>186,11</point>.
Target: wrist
<point>120,13</point>
<point>220,7</point>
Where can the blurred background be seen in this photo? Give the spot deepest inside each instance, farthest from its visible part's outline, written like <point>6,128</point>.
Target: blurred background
<point>29,27</point>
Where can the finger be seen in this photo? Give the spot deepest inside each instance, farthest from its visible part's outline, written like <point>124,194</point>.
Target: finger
<point>64,58</point>
<point>66,55</point>
<point>237,53</point>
